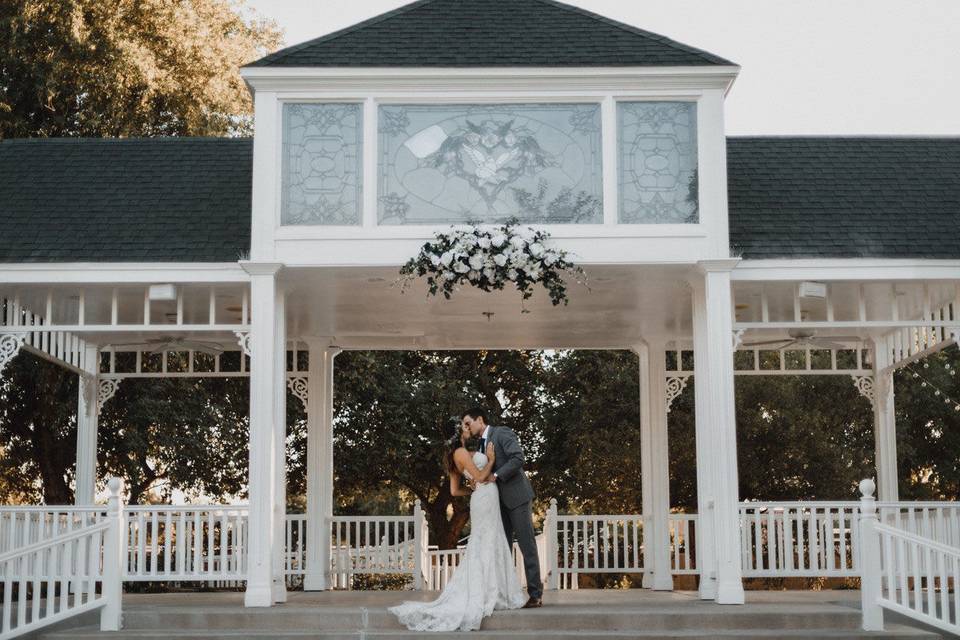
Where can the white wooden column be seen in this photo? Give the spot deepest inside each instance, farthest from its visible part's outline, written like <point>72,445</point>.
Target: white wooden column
<point>319,466</point>
<point>88,412</point>
<point>654,467</point>
<point>265,385</point>
<point>646,465</point>
<point>280,448</point>
<point>660,469</point>
<point>885,427</point>
<point>718,527</point>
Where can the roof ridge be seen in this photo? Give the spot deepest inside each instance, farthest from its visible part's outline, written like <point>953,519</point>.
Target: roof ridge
<point>629,28</point>
<point>286,51</point>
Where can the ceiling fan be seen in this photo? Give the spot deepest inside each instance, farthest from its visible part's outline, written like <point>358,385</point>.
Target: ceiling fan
<point>805,339</point>
<point>174,343</point>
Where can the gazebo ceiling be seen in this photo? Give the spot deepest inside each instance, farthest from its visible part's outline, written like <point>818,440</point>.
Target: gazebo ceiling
<point>355,307</point>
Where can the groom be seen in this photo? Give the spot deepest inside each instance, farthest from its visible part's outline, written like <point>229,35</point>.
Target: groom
<point>516,494</point>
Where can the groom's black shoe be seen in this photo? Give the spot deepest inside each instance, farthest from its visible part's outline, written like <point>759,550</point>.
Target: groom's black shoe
<point>533,603</point>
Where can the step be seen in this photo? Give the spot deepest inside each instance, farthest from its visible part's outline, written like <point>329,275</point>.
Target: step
<point>893,631</point>
<point>551,618</point>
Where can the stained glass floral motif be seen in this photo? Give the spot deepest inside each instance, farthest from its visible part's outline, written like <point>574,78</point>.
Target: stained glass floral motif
<point>658,162</point>
<point>321,173</point>
<point>539,163</point>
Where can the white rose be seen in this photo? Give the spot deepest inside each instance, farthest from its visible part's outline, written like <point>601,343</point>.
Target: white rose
<point>500,259</point>
<point>434,259</point>
<point>498,240</point>
<point>550,259</point>
<point>449,275</point>
<point>446,258</point>
<point>488,274</point>
<point>474,276</point>
<point>533,274</point>
<point>512,274</point>
<point>476,262</point>
<point>536,249</point>
<point>518,242</point>
<point>483,242</point>
<point>459,267</point>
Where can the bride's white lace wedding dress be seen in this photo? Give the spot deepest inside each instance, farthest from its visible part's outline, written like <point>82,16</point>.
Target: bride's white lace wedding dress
<point>484,581</point>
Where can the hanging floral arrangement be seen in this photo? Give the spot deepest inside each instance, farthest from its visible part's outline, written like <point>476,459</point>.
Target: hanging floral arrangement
<point>491,258</point>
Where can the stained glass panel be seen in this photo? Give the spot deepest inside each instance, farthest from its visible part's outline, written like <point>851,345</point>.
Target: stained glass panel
<point>321,173</point>
<point>658,162</point>
<point>540,163</point>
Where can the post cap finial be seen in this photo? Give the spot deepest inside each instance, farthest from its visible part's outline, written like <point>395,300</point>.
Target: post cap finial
<point>867,487</point>
<point>553,502</point>
<point>114,484</point>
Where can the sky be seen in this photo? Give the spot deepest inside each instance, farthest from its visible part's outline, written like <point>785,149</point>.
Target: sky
<point>854,67</point>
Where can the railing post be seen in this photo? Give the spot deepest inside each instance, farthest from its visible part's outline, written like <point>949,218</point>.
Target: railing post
<point>870,569</point>
<point>419,546</point>
<point>112,586</point>
<point>550,529</point>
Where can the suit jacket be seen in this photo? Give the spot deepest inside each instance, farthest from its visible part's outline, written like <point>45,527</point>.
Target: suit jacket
<point>512,481</point>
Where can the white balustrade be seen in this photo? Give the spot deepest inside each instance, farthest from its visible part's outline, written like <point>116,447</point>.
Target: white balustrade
<point>55,577</point>
<point>905,572</point>
<point>24,525</point>
<point>378,545</point>
<point>682,527</point>
<point>799,539</point>
<point>186,543</point>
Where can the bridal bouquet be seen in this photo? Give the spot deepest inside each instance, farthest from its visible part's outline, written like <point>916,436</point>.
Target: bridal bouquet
<point>491,258</point>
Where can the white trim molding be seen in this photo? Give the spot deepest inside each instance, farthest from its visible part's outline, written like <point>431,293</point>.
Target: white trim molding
<point>121,273</point>
<point>675,386</point>
<point>10,344</point>
<point>833,269</point>
<point>300,388</point>
<point>864,385</point>
<point>243,339</point>
<point>106,389</point>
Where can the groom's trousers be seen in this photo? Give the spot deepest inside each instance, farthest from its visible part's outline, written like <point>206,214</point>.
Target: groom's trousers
<point>519,522</point>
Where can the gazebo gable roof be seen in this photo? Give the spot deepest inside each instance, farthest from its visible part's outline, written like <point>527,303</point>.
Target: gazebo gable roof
<point>489,33</point>
<point>188,199</point>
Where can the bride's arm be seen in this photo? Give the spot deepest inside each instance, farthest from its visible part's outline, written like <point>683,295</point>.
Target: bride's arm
<point>465,462</point>
<point>456,488</point>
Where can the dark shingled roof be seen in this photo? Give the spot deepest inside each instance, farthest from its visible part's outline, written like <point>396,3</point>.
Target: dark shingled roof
<point>844,197</point>
<point>489,33</point>
<point>188,199</point>
<point>125,200</point>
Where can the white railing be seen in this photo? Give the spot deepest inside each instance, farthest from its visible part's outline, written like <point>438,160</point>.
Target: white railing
<point>441,563</point>
<point>682,528</point>
<point>56,577</point>
<point>799,539</point>
<point>186,543</point>
<point>938,521</point>
<point>906,573</point>
<point>24,525</point>
<point>379,545</point>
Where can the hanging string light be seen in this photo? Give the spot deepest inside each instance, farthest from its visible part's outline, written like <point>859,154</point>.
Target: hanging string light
<point>937,391</point>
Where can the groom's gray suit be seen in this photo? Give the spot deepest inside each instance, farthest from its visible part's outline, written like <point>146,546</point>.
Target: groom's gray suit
<point>516,494</point>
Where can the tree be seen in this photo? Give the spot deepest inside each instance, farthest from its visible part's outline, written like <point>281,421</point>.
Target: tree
<point>395,410</point>
<point>38,431</point>
<point>127,68</point>
<point>105,69</point>
<point>166,434</point>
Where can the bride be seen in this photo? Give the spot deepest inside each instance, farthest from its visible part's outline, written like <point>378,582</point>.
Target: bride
<point>485,580</point>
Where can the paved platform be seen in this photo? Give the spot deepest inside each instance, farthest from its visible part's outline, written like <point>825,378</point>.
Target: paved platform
<point>586,615</point>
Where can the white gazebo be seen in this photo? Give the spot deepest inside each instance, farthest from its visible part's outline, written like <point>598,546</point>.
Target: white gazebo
<point>267,257</point>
